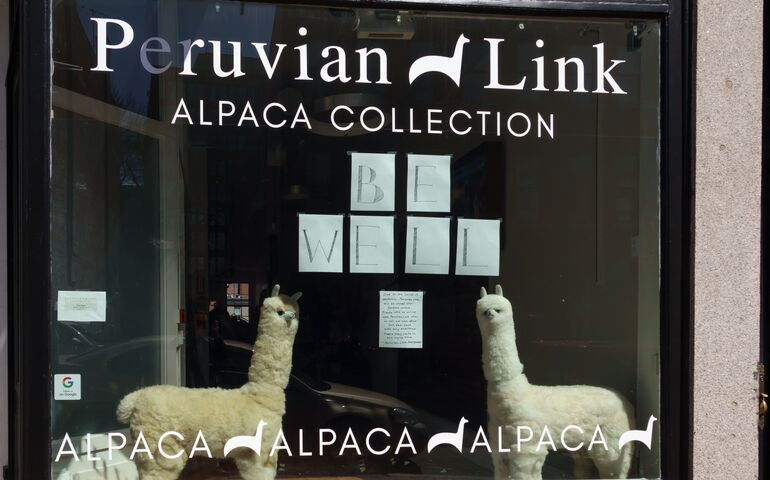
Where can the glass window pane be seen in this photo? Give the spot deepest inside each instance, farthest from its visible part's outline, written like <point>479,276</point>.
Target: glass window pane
<point>105,224</point>
<point>388,164</point>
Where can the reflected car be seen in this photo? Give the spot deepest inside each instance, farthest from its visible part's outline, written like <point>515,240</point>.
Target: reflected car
<point>115,370</point>
<point>70,339</point>
<point>108,372</point>
<point>314,404</point>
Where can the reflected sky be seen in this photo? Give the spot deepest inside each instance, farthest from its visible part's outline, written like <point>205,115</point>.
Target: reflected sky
<point>225,21</point>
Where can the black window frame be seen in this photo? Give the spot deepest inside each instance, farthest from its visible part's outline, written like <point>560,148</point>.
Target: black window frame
<point>29,157</point>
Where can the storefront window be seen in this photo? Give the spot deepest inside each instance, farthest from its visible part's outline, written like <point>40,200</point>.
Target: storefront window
<point>387,164</point>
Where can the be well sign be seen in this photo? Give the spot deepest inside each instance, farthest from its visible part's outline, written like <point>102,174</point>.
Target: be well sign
<point>427,242</point>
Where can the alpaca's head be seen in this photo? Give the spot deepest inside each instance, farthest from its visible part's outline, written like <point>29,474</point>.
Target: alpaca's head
<point>493,310</point>
<point>280,313</point>
<point>278,323</point>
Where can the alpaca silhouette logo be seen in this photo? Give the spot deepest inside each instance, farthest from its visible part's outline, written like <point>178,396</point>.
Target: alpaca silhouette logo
<point>449,66</point>
<point>454,439</point>
<point>253,442</point>
<point>643,436</point>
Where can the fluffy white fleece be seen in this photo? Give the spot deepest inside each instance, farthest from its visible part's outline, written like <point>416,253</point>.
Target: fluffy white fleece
<point>220,414</point>
<point>512,401</point>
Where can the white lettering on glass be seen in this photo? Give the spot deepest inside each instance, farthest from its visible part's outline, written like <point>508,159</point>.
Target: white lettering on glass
<point>336,68</point>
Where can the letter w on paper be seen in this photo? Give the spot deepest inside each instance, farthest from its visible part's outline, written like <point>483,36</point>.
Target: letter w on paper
<point>320,243</point>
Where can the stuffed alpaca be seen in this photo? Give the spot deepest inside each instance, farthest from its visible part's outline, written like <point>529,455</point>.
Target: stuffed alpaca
<point>257,407</point>
<point>513,402</point>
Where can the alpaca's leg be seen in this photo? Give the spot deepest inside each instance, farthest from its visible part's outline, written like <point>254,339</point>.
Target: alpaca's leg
<point>615,464</point>
<point>583,466</point>
<point>502,460</point>
<point>526,466</point>
<point>154,471</point>
<point>160,475</point>
<point>253,467</point>
<point>159,467</point>
<point>500,463</point>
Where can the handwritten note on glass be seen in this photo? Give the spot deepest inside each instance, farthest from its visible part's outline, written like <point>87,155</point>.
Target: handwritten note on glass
<point>401,319</point>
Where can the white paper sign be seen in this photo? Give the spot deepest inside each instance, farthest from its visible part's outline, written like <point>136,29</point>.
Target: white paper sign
<point>401,319</point>
<point>372,181</point>
<point>320,243</point>
<point>66,386</point>
<point>478,247</point>
<point>76,306</point>
<point>427,245</point>
<point>428,183</point>
<point>371,244</point>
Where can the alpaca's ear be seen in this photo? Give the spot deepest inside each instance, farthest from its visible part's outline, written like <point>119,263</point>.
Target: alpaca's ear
<point>276,290</point>
<point>483,292</point>
<point>498,290</point>
<point>296,296</point>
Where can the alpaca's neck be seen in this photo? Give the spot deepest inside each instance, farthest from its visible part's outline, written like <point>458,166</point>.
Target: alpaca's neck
<point>271,361</point>
<point>501,358</point>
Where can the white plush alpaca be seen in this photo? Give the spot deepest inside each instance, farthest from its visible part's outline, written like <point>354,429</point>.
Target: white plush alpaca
<point>220,414</point>
<point>513,402</point>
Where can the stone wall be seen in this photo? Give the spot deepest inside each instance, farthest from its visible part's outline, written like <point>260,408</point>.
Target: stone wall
<point>728,161</point>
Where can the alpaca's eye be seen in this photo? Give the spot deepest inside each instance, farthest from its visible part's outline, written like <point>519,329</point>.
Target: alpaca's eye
<point>281,312</point>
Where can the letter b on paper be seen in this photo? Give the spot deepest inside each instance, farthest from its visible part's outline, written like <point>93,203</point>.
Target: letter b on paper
<point>372,181</point>
<point>320,243</point>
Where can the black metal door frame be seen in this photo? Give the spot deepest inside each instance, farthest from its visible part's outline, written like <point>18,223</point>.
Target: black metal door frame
<point>29,107</point>
<point>29,130</point>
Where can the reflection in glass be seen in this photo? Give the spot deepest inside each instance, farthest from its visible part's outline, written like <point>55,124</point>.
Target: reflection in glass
<point>186,225</point>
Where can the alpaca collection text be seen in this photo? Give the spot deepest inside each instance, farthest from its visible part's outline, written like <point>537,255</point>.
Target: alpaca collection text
<point>371,119</point>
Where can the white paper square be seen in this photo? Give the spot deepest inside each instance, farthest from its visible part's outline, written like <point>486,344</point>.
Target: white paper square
<point>371,244</point>
<point>66,386</point>
<point>81,306</point>
<point>428,183</point>
<point>373,182</point>
<point>478,247</point>
<point>320,243</point>
<point>427,245</point>
<point>401,319</point>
